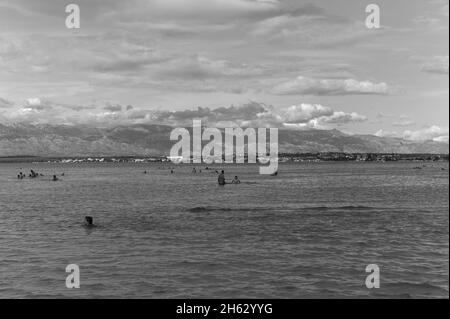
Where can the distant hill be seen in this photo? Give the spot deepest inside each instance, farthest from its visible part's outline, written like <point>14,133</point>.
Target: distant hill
<point>83,140</point>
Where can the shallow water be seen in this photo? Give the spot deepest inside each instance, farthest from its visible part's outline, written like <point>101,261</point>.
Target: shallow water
<point>309,232</point>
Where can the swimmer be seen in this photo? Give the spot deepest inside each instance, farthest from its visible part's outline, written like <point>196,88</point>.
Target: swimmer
<point>89,221</point>
<point>33,174</point>
<point>55,179</point>
<point>236,180</point>
<point>221,178</point>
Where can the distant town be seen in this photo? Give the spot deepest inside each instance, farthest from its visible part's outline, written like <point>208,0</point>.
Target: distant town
<point>283,158</point>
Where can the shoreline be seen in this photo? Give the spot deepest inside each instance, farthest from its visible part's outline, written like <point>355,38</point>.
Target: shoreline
<point>403,158</point>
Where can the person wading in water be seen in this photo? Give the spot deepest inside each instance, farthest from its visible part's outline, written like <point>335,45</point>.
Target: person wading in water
<point>221,178</point>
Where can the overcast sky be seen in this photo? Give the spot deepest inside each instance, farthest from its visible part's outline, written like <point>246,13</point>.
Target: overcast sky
<point>289,63</point>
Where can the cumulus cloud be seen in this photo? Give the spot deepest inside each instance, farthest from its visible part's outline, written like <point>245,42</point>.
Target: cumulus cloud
<point>237,114</point>
<point>318,117</point>
<point>343,118</point>
<point>302,116</point>
<point>252,114</point>
<point>45,111</point>
<point>34,102</point>
<point>113,108</point>
<point>304,113</point>
<point>437,65</point>
<point>441,139</point>
<point>432,133</point>
<point>309,86</point>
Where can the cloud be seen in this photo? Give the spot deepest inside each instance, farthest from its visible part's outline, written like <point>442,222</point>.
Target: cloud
<point>5,103</point>
<point>382,115</point>
<point>309,86</point>
<point>35,101</point>
<point>231,48</point>
<point>218,10</point>
<point>384,133</point>
<point>238,114</point>
<point>437,19</point>
<point>127,64</point>
<point>37,104</point>
<point>252,114</point>
<point>302,116</point>
<point>113,108</point>
<point>432,133</point>
<point>442,139</point>
<point>404,123</point>
<point>171,53</point>
<point>437,65</point>
<point>8,49</point>
<point>343,118</point>
<point>196,67</point>
<point>304,113</point>
<point>318,116</point>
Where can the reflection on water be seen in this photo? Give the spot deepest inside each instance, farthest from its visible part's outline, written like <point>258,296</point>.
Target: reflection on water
<point>308,232</point>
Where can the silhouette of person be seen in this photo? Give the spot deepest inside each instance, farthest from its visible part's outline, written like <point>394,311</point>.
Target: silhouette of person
<point>221,178</point>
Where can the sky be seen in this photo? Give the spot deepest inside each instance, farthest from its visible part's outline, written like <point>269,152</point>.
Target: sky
<point>287,63</point>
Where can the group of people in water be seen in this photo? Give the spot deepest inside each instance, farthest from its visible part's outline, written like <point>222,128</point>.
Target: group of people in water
<point>222,181</point>
<point>34,174</point>
<point>195,170</point>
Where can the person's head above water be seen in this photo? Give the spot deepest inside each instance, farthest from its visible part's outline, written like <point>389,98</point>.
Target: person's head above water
<point>223,172</point>
<point>89,220</point>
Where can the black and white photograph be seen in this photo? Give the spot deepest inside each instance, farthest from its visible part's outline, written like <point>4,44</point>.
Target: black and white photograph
<point>224,150</point>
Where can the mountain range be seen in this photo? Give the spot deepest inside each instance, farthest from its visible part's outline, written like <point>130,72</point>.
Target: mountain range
<point>150,139</point>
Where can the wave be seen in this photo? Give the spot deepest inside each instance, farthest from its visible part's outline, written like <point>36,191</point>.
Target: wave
<point>350,207</point>
<point>201,209</point>
<point>415,290</point>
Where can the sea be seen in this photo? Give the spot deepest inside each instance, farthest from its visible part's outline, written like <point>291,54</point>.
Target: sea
<point>309,232</point>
